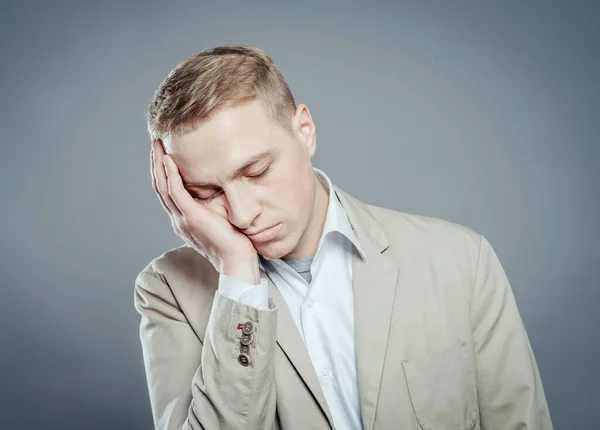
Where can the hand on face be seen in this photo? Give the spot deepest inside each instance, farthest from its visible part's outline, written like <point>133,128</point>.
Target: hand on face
<point>211,235</point>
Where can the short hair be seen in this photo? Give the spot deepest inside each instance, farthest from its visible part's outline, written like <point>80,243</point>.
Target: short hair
<point>220,77</point>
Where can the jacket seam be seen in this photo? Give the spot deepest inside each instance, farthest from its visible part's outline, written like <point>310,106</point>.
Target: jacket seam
<point>475,273</point>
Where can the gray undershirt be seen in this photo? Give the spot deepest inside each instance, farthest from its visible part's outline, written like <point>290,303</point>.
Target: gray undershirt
<point>302,266</point>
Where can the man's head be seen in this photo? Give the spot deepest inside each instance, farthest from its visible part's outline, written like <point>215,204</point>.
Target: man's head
<point>224,107</point>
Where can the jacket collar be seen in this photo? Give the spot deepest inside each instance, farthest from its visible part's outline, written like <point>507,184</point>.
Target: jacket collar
<point>336,220</point>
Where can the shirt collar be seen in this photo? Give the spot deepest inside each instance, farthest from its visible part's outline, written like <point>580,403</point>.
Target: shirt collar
<point>335,220</point>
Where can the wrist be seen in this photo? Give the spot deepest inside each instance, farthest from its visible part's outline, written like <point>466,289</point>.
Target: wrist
<point>245,269</point>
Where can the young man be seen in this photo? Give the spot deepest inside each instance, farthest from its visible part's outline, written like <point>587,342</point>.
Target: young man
<point>292,304</point>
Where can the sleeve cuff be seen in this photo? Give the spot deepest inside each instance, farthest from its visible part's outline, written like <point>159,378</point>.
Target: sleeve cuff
<point>252,295</point>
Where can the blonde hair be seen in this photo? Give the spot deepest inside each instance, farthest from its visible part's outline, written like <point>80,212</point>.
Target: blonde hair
<point>224,76</point>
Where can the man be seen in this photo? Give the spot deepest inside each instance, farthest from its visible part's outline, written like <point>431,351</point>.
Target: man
<point>292,304</point>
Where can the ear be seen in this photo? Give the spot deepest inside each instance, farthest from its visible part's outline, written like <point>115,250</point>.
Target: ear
<point>304,129</point>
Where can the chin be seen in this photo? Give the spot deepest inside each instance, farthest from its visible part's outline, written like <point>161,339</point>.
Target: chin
<point>274,250</point>
<point>270,252</point>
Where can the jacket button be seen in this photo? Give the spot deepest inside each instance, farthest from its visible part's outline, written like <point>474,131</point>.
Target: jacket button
<point>243,359</point>
<point>246,339</point>
<point>248,328</point>
<point>245,349</point>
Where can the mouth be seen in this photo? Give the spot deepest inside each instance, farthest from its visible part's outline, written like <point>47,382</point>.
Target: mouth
<point>265,234</point>
<point>260,231</point>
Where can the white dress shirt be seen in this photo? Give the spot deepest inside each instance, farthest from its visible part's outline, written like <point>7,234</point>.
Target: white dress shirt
<point>322,310</point>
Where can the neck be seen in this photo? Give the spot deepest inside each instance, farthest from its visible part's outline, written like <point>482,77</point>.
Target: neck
<point>313,232</point>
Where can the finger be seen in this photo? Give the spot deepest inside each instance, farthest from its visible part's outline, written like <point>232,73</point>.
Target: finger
<point>179,195</point>
<point>162,181</point>
<point>154,181</point>
<point>155,177</point>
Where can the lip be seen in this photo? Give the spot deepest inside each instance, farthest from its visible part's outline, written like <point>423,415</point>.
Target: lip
<point>266,234</point>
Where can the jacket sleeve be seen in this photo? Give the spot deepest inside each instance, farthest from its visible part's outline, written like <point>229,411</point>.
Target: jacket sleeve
<point>509,386</point>
<point>195,385</point>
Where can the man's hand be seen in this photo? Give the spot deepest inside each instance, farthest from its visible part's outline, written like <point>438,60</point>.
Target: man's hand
<point>213,236</point>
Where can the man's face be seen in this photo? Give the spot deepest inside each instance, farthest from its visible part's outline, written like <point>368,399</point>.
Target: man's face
<point>278,187</point>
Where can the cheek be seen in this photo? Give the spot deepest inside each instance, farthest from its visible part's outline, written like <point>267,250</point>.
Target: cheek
<point>282,195</point>
<point>294,195</point>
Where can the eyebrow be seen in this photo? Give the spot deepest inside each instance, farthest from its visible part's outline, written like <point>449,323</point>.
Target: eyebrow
<point>254,159</point>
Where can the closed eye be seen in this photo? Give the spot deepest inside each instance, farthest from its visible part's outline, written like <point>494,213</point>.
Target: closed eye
<point>216,194</point>
<point>206,199</point>
<point>262,174</point>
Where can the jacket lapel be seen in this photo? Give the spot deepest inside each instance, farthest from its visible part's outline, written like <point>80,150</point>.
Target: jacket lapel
<point>292,345</point>
<point>374,283</point>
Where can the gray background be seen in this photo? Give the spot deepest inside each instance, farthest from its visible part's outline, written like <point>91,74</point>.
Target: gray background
<point>483,113</point>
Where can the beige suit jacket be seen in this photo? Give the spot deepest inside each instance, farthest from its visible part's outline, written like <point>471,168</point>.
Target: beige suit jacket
<point>439,340</point>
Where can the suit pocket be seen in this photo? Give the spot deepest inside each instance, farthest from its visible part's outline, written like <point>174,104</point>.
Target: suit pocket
<point>442,389</point>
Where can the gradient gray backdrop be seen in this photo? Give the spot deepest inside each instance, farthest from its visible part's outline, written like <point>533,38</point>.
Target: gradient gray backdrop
<point>483,113</point>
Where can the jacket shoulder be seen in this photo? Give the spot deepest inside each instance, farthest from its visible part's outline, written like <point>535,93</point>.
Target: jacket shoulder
<point>422,234</point>
<point>183,273</point>
<point>182,262</point>
<point>182,279</point>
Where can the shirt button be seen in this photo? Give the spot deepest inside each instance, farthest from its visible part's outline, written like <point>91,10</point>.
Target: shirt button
<point>310,303</point>
<point>326,373</point>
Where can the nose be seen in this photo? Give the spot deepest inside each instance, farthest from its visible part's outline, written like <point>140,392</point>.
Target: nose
<point>242,207</point>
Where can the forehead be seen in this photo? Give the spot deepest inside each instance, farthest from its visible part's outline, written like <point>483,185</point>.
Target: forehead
<point>224,141</point>
<point>225,126</point>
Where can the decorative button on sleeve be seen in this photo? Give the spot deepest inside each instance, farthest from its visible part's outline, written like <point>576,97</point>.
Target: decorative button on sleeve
<point>248,327</point>
<point>244,359</point>
<point>245,341</point>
